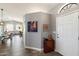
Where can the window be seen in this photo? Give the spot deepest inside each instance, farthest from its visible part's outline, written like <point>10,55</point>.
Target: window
<point>9,27</point>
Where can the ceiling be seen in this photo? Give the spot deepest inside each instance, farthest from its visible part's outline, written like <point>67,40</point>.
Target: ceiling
<point>18,10</point>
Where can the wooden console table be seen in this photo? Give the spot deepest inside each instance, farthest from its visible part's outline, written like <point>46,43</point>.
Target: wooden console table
<point>49,45</point>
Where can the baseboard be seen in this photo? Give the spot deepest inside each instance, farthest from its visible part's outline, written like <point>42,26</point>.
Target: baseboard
<point>59,52</point>
<point>37,49</point>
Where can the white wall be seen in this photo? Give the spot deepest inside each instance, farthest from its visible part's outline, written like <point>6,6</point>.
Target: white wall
<point>35,39</point>
<point>53,26</point>
<point>45,19</point>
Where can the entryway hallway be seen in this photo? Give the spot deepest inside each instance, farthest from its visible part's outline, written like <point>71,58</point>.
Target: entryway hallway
<point>15,47</point>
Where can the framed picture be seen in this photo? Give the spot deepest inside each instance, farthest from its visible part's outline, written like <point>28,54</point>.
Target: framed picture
<point>32,26</point>
<point>45,27</point>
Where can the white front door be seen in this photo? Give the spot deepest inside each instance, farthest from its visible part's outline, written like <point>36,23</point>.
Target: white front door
<point>67,35</point>
<point>78,35</point>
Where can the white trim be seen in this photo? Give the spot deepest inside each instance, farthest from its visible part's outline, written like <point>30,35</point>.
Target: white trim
<point>62,7</point>
<point>37,49</point>
<point>24,32</point>
<point>71,12</point>
<point>59,52</point>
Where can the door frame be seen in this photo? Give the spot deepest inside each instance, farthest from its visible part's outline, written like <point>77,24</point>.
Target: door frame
<point>57,29</point>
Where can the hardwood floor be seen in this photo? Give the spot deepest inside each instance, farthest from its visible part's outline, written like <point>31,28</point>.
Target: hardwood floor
<point>15,47</point>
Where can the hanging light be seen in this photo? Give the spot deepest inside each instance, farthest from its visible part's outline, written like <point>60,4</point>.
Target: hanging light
<point>1,21</point>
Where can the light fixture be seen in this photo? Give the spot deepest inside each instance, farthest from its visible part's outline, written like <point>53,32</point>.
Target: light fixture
<point>1,21</point>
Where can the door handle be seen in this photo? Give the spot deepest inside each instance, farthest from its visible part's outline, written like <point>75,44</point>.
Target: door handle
<point>57,35</point>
